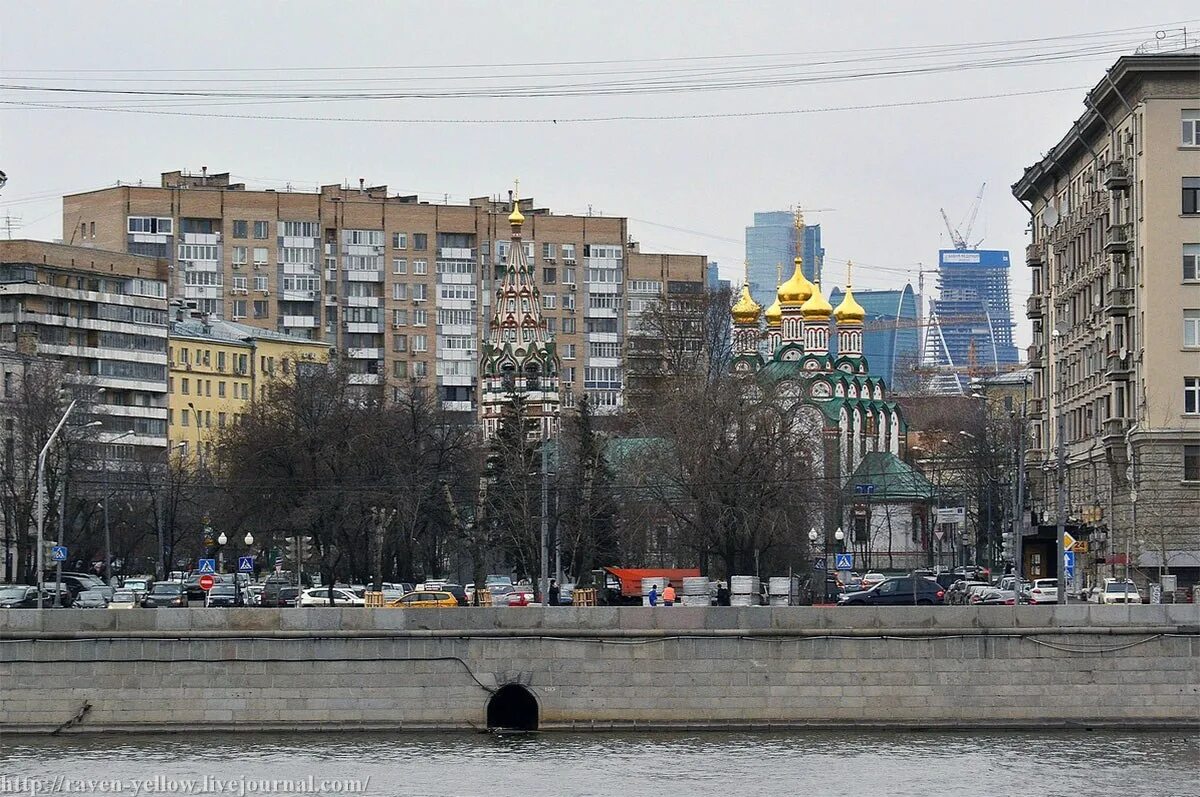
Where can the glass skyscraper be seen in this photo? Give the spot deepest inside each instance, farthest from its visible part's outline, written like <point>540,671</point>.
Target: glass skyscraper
<point>891,334</point>
<point>771,242</point>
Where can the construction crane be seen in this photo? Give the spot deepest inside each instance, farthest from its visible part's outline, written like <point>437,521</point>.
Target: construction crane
<point>961,234</point>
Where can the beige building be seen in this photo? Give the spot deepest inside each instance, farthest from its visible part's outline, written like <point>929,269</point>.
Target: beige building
<point>401,288</point>
<point>1115,270</point>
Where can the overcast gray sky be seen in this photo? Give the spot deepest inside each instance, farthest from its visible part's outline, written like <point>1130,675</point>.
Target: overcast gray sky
<point>884,171</point>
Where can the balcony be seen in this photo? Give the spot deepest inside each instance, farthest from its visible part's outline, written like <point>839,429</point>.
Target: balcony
<point>1035,306</point>
<point>365,354</point>
<point>458,406</point>
<point>298,295</point>
<point>365,379</point>
<point>304,321</point>
<point>1114,429</point>
<point>1116,176</point>
<point>1119,368</point>
<point>1119,301</point>
<point>1035,255</point>
<point>1037,408</point>
<point>1120,238</point>
<point>363,275</point>
<point>363,327</point>
<point>1035,353</point>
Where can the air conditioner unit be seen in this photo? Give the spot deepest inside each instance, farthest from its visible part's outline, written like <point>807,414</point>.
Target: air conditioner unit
<point>397,326</point>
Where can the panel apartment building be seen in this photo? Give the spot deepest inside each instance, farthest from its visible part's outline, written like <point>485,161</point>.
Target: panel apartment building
<point>103,317</point>
<point>1115,270</point>
<point>401,288</point>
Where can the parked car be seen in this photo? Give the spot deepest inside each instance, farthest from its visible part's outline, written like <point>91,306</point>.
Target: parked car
<point>91,599</point>
<point>1043,590</point>
<point>996,597</point>
<point>18,596</point>
<point>426,599</point>
<point>65,597</point>
<point>457,591</point>
<point>870,580</point>
<point>221,595</point>
<point>1119,591</point>
<point>123,599</point>
<point>496,580</point>
<point>946,580</point>
<point>319,596</point>
<point>140,586</point>
<point>165,594</point>
<point>956,595</point>
<point>520,596</point>
<point>903,591</point>
<point>191,585</point>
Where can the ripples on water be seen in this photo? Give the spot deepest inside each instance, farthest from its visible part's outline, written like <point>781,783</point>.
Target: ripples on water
<point>798,764</point>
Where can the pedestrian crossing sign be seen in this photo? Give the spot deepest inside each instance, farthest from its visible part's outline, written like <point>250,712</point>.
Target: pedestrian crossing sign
<point>208,566</point>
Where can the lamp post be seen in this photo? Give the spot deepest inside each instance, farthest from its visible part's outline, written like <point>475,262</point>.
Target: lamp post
<point>107,538</point>
<point>817,576</point>
<point>237,589</point>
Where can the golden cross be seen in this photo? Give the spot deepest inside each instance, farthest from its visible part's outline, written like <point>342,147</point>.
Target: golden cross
<point>516,190</point>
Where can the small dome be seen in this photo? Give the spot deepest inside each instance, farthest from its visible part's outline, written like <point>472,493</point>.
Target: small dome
<point>816,308</point>
<point>774,313</point>
<point>849,311</point>
<point>516,218</point>
<point>797,289</point>
<point>746,310</point>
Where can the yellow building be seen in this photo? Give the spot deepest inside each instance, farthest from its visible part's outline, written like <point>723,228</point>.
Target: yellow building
<point>218,367</point>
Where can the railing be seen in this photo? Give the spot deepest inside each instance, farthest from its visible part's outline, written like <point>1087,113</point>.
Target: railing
<point>1119,301</point>
<point>1116,176</point>
<point>1035,306</point>
<point>1119,238</point>
<point>1035,254</point>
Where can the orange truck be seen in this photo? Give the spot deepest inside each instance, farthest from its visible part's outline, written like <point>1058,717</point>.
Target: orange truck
<point>623,585</point>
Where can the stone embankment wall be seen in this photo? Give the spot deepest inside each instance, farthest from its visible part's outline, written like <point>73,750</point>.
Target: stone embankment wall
<point>189,669</point>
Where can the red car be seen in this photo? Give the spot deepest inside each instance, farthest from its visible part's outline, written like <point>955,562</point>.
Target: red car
<point>520,597</point>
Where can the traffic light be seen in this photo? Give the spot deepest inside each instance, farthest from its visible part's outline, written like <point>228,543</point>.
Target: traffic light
<point>1007,544</point>
<point>298,549</point>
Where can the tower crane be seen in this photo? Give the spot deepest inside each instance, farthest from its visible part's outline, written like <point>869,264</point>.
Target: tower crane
<point>961,234</point>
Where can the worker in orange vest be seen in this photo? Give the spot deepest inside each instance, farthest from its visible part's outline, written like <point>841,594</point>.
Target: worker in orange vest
<point>668,595</point>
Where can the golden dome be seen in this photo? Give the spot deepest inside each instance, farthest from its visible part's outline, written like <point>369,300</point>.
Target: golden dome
<point>746,310</point>
<point>515,218</point>
<point>816,308</point>
<point>797,289</point>
<point>849,311</point>
<point>774,313</point>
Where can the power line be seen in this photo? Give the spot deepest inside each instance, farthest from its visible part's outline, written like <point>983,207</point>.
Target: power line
<point>545,120</point>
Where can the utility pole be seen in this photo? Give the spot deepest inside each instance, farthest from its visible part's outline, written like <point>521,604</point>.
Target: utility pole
<point>1018,525</point>
<point>1061,467</point>
<point>544,575</point>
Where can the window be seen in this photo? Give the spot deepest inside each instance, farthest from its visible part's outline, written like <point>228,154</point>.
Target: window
<point>260,256</point>
<point>1191,395</point>
<point>399,318</point>
<point>549,300</point>
<point>93,228</point>
<point>549,275</point>
<point>568,351</point>
<point>1191,328</point>
<point>1191,195</point>
<point>611,350</point>
<point>1191,128</point>
<point>239,285</point>
<point>299,229</point>
<point>456,291</point>
<point>150,224</point>
<point>399,342</point>
<point>260,284</point>
<point>399,265</point>
<point>420,241</point>
<point>400,369</point>
<point>239,309</point>
<point>240,228</point>
<point>261,309</point>
<point>399,240</point>
<point>197,252</point>
<point>1191,463</point>
<point>1191,262</point>
<point>420,369</point>
<point>568,253</point>
<point>240,254</point>
<point>420,292</point>
<point>399,290</point>
<point>262,230</point>
<point>420,267</point>
<point>185,386</point>
<point>420,343</point>
<point>548,251</point>
<point>568,326</point>
<point>221,389</point>
<point>420,318</point>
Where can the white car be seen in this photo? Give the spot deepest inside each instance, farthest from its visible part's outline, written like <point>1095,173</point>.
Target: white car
<point>870,580</point>
<point>1119,592</point>
<point>1044,590</point>
<point>320,597</point>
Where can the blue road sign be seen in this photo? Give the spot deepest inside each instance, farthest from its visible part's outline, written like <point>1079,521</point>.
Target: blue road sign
<point>864,489</point>
<point>819,563</point>
<point>1069,564</point>
<point>59,553</point>
<point>208,566</point>
<point>844,561</point>
<point>245,564</point>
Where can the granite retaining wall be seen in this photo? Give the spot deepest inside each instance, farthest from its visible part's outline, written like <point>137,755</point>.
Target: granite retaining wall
<point>189,669</point>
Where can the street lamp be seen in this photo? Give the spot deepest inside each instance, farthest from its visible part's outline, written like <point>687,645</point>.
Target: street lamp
<point>840,536</point>
<point>41,498</point>
<point>107,538</point>
<point>237,590</point>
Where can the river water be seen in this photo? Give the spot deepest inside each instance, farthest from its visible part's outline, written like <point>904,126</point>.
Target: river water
<point>797,763</point>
